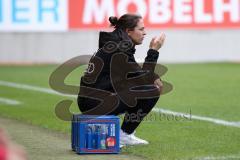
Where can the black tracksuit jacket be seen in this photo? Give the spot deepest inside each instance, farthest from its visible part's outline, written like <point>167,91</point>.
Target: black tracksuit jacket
<point>103,81</point>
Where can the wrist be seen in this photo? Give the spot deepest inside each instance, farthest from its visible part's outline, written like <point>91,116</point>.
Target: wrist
<point>153,48</point>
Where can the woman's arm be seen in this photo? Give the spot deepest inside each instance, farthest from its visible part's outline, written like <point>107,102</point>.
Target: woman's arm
<point>152,57</point>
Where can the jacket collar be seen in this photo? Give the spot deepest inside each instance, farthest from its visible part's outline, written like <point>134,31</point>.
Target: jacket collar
<point>117,36</point>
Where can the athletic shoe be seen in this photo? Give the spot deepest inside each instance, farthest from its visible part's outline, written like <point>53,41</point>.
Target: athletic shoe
<point>130,139</point>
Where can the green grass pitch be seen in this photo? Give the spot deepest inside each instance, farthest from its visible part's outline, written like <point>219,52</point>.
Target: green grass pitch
<point>207,89</point>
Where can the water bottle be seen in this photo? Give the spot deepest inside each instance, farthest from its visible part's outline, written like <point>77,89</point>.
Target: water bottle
<point>103,136</point>
<point>89,138</point>
<point>98,136</point>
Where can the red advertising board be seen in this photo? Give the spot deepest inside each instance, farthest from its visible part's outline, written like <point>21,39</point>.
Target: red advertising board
<point>64,15</point>
<point>87,14</point>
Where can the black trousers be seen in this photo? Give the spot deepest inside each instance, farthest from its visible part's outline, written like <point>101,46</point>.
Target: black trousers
<point>133,115</point>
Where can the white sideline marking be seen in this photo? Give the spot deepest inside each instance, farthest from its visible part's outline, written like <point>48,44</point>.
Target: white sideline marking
<point>50,91</point>
<point>33,88</point>
<point>9,101</point>
<point>218,158</point>
<point>208,119</point>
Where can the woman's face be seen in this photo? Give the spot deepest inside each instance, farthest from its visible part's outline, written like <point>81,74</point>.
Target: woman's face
<point>137,35</point>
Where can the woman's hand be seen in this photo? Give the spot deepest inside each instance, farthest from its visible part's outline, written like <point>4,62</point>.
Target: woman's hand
<point>158,83</point>
<point>157,42</point>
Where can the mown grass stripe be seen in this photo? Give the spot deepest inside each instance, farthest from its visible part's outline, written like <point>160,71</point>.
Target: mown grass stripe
<point>9,101</point>
<point>230,157</point>
<point>33,88</point>
<point>201,118</point>
<point>50,91</point>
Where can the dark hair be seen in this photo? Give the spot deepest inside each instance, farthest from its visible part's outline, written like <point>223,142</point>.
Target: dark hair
<point>126,21</point>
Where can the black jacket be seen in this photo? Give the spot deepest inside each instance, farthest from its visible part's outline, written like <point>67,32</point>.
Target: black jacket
<point>111,43</point>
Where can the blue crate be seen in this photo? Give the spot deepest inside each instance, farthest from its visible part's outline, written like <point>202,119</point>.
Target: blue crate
<point>95,134</point>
